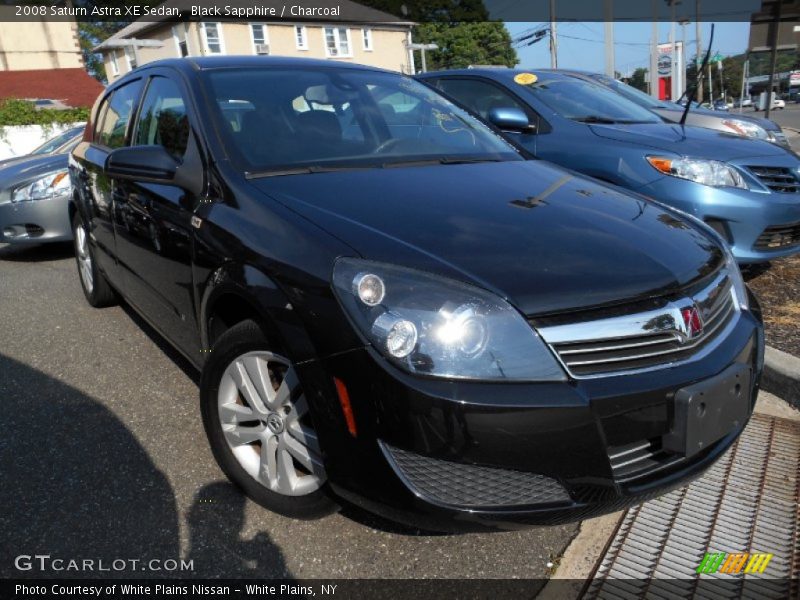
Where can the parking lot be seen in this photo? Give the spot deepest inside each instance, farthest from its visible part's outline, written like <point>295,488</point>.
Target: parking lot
<point>104,457</point>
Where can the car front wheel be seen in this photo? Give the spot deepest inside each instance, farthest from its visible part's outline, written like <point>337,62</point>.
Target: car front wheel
<point>97,290</point>
<point>258,423</point>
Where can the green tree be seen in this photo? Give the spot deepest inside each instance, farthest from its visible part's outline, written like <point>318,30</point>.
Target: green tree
<point>464,44</point>
<point>90,34</point>
<point>638,79</point>
<point>461,29</point>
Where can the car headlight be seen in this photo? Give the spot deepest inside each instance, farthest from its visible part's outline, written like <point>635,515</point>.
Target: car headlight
<point>437,327</point>
<point>43,188</point>
<point>746,128</point>
<point>739,288</point>
<point>777,137</point>
<point>707,172</point>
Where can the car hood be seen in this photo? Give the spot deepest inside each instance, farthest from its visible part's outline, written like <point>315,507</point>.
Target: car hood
<point>547,239</point>
<point>697,142</point>
<point>24,168</point>
<point>767,124</point>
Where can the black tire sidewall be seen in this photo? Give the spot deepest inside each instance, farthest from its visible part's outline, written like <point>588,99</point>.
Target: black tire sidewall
<point>242,338</point>
<point>101,294</point>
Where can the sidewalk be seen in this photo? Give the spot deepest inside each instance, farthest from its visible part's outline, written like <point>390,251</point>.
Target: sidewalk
<point>746,503</point>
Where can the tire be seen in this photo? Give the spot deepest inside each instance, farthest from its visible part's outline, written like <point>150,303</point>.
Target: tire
<point>95,287</point>
<point>259,425</point>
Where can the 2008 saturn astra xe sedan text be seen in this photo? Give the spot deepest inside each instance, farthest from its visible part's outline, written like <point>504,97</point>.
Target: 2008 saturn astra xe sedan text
<point>391,307</point>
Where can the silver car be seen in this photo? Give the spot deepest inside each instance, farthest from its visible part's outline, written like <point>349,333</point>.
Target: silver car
<point>35,191</point>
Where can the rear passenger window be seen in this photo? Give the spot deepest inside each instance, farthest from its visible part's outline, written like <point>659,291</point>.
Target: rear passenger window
<point>117,114</point>
<point>163,120</point>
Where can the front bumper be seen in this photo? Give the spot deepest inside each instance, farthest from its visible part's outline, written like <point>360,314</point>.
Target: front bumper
<point>745,215</point>
<point>465,456</point>
<point>35,222</point>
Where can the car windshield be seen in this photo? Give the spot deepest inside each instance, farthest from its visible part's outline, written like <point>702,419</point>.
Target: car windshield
<point>58,142</point>
<point>586,102</point>
<point>631,93</point>
<point>284,121</point>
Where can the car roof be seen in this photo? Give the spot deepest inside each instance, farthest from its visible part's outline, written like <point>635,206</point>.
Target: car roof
<point>495,73</point>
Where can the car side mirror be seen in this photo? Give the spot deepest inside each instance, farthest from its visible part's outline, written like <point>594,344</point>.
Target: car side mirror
<point>511,119</point>
<point>142,163</point>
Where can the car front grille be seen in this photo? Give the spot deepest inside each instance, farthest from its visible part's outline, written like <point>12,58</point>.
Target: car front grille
<point>777,179</point>
<point>464,485</point>
<point>778,236</point>
<point>645,340</point>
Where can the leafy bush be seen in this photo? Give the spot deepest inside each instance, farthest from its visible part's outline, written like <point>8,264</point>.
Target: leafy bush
<point>23,112</point>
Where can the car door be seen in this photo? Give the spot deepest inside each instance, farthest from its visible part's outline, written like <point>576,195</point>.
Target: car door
<point>481,95</point>
<point>111,130</point>
<point>153,222</point>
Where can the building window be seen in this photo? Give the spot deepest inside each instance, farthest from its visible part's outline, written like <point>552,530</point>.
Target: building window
<point>212,37</point>
<point>258,32</point>
<point>130,54</point>
<point>114,63</point>
<point>300,37</point>
<point>181,44</point>
<point>366,39</point>
<point>337,41</point>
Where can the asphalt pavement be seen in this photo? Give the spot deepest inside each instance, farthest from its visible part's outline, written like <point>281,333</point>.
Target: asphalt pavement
<point>104,458</point>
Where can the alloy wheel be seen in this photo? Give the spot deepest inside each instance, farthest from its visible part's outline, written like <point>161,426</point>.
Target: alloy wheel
<point>84,258</point>
<point>265,420</point>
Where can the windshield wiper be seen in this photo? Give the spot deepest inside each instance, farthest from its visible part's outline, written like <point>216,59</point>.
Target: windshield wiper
<point>445,160</point>
<point>301,171</point>
<point>595,119</point>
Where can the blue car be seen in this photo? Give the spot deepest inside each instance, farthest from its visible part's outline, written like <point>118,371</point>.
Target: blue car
<point>747,190</point>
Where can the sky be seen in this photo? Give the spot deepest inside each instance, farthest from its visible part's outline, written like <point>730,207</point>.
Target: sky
<point>631,43</point>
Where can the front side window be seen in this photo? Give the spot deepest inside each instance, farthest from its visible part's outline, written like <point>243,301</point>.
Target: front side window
<point>117,113</point>
<point>277,119</point>
<point>478,96</point>
<point>337,41</point>
<point>300,37</point>
<point>259,35</point>
<point>212,35</point>
<point>163,120</point>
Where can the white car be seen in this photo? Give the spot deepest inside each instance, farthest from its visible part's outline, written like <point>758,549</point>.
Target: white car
<point>778,103</point>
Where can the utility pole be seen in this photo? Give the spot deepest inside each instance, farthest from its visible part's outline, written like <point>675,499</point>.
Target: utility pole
<point>698,47</point>
<point>654,53</point>
<point>682,66</point>
<point>745,75</point>
<point>773,41</point>
<point>609,37</point>
<point>673,70</point>
<point>553,38</point>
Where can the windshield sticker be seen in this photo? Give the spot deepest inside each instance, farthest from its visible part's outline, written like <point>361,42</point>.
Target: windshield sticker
<point>525,78</point>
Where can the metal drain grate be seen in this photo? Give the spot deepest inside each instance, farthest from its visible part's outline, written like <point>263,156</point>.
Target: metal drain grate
<point>746,503</point>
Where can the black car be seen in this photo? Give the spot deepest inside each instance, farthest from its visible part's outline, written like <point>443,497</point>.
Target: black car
<point>391,307</point>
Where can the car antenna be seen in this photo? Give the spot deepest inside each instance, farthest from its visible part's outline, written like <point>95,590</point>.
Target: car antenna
<point>698,79</point>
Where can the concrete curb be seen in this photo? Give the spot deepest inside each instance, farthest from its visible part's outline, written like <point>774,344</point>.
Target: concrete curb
<point>782,375</point>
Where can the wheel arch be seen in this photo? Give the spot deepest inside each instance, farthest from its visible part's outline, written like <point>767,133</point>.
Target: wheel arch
<point>235,293</point>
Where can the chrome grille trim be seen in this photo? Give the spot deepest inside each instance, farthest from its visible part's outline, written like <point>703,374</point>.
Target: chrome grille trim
<point>777,179</point>
<point>648,340</point>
